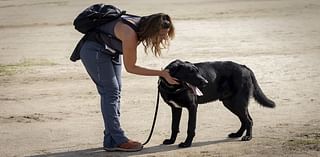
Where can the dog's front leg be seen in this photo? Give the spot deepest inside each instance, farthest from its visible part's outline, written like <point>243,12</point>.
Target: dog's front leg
<point>176,116</point>
<point>191,126</point>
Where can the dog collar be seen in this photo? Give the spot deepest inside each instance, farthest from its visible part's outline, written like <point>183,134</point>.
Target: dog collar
<point>174,89</point>
<point>163,84</point>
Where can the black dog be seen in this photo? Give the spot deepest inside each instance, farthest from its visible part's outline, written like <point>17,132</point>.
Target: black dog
<point>231,83</point>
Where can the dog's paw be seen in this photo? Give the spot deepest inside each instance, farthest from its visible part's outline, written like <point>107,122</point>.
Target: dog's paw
<point>246,138</point>
<point>168,141</point>
<point>234,135</point>
<point>184,145</point>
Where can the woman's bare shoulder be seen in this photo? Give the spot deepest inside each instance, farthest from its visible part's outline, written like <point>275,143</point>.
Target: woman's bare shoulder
<point>124,32</point>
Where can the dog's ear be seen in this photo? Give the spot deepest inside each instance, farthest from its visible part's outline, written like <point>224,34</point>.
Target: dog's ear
<point>190,73</point>
<point>174,66</point>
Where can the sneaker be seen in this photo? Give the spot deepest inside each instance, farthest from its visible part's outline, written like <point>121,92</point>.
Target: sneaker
<point>130,146</point>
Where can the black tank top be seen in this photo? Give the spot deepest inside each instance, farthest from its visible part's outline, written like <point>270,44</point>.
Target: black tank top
<point>108,28</point>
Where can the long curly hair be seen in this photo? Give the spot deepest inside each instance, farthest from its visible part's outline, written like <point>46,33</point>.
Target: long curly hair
<point>149,32</point>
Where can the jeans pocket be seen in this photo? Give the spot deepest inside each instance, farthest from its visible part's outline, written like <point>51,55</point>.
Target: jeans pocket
<point>102,58</point>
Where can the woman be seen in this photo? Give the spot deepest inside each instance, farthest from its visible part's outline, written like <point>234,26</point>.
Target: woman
<point>154,32</point>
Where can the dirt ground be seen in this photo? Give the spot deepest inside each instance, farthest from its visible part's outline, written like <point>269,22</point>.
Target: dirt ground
<point>50,107</point>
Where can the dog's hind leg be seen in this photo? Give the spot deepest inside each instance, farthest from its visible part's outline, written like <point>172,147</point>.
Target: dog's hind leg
<point>176,116</point>
<point>249,122</point>
<point>243,114</point>
<point>240,132</point>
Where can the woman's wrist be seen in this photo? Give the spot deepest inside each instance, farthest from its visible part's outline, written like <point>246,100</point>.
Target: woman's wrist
<point>161,73</point>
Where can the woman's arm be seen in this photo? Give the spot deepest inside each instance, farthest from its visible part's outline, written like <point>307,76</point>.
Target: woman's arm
<point>129,47</point>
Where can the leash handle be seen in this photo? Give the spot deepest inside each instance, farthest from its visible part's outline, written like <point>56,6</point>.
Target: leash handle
<point>154,119</point>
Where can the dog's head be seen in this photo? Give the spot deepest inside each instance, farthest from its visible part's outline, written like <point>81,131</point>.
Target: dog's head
<point>187,72</point>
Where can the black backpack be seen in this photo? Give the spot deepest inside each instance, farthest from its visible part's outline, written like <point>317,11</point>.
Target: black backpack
<point>96,15</point>
<point>87,22</point>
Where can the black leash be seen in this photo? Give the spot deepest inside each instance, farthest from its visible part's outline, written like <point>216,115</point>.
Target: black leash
<point>154,120</point>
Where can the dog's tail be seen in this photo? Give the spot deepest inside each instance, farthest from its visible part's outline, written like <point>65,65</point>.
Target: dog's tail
<point>258,94</point>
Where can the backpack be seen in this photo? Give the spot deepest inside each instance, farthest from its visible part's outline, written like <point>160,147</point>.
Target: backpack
<point>87,22</point>
<point>96,15</point>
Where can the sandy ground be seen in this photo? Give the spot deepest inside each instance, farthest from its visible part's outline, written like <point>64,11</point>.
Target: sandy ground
<point>49,106</point>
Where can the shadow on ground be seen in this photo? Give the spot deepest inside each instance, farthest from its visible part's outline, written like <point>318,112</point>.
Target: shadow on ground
<point>99,152</point>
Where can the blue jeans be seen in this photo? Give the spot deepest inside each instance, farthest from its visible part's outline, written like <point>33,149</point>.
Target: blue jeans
<point>106,74</point>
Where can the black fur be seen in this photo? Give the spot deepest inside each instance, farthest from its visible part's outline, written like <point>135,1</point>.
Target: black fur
<point>231,83</point>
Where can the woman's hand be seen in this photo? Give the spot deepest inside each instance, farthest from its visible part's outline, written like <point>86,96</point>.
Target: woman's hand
<point>166,75</point>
